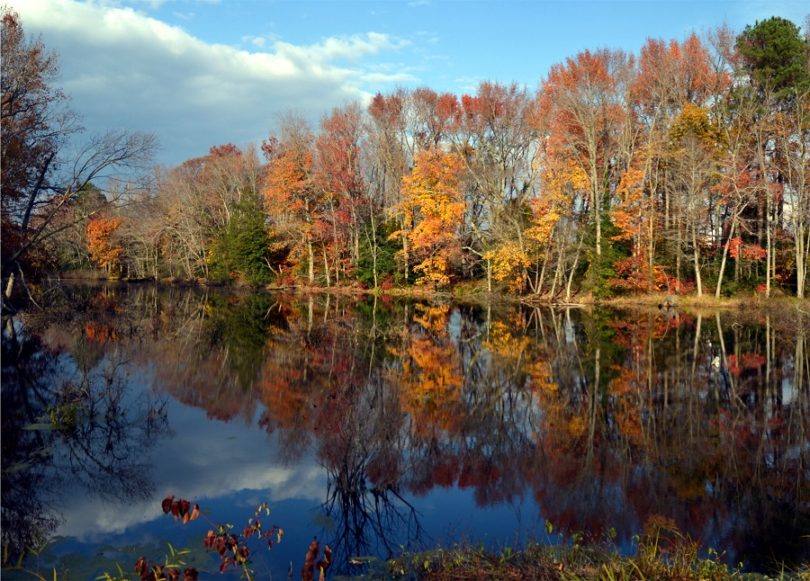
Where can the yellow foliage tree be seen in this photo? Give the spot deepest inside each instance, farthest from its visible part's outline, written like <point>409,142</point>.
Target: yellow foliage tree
<point>506,259</point>
<point>562,179</point>
<point>432,210</point>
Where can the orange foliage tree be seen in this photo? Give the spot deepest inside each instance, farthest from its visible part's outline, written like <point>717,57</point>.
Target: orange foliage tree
<point>292,197</point>
<point>563,182</point>
<point>338,174</point>
<point>432,210</point>
<point>581,112</point>
<point>633,217</point>
<point>104,249</point>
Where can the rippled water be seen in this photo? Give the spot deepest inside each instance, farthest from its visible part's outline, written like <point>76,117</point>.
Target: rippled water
<point>378,425</point>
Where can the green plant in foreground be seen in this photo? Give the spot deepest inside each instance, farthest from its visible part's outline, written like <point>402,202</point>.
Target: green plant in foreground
<point>20,567</point>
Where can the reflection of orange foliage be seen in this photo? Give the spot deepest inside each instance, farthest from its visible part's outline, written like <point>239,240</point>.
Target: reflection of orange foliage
<point>287,406</point>
<point>753,360</point>
<point>745,361</point>
<point>435,367</point>
<point>542,376</point>
<point>478,471</point>
<point>507,413</point>
<point>445,470</point>
<point>292,384</point>
<point>99,332</point>
<point>635,333</point>
<point>433,318</point>
<point>503,343</point>
<point>624,388</point>
<point>431,385</point>
<point>105,301</point>
<point>431,379</point>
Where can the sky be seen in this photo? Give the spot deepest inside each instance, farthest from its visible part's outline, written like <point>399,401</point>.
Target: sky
<point>199,73</point>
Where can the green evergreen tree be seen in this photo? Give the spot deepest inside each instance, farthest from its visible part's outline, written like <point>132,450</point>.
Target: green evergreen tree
<point>240,251</point>
<point>775,55</point>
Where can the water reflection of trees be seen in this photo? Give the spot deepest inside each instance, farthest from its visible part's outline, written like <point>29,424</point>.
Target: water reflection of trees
<point>604,418</point>
<point>69,421</point>
<point>681,429</point>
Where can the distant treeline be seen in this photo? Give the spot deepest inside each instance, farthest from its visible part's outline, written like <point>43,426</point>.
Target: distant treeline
<point>683,168</point>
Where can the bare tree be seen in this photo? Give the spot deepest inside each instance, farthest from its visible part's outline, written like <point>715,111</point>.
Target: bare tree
<point>41,176</point>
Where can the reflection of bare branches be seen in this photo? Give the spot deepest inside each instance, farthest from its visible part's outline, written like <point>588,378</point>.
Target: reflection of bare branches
<point>25,522</point>
<point>368,519</point>
<point>63,426</point>
<point>102,451</point>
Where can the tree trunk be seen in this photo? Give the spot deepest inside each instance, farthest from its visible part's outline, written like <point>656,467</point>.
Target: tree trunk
<point>356,236</point>
<point>9,286</point>
<point>800,262</point>
<point>678,249</point>
<point>725,255</point>
<point>326,267</point>
<point>311,262</point>
<point>769,245</point>
<point>557,273</point>
<point>405,255</point>
<point>571,274</point>
<point>696,256</point>
<point>595,195</point>
<point>539,286</point>
<point>374,249</point>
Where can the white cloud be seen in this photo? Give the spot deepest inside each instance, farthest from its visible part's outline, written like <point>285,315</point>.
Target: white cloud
<point>380,78</point>
<point>125,69</point>
<point>258,41</point>
<point>201,465</point>
<point>346,48</point>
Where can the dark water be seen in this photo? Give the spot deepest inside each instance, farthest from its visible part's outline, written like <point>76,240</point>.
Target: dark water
<point>378,426</point>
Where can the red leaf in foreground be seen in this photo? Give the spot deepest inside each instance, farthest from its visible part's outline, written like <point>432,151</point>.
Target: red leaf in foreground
<point>309,562</point>
<point>324,563</point>
<point>140,567</point>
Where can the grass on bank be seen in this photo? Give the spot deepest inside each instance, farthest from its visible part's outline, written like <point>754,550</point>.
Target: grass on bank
<point>567,564</point>
<point>662,553</point>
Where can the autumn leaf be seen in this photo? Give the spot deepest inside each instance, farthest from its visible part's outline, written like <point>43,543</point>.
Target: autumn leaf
<point>433,209</point>
<point>103,249</point>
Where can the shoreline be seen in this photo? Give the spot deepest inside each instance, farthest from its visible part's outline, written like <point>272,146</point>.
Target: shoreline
<point>474,294</point>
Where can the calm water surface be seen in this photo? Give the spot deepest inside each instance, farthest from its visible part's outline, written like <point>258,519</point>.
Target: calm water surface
<point>378,426</point>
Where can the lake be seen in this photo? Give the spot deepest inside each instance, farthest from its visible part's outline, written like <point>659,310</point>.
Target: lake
<point>381,425</point>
